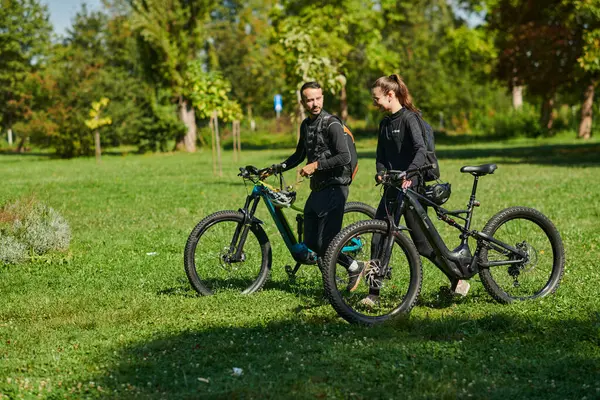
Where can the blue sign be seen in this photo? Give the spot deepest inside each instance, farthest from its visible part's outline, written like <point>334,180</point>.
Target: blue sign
<point>278,103</point>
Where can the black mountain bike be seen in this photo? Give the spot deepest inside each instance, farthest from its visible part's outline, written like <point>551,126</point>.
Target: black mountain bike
<point>229,250</point>
<point>519,254</point>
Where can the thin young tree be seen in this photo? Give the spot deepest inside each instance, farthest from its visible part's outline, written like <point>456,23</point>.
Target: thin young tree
<point>172,33</point>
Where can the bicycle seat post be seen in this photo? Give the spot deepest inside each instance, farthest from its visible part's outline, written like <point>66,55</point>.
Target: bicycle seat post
<point>472,203</point>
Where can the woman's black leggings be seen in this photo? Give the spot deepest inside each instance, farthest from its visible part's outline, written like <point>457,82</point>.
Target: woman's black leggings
<point>411,218</point>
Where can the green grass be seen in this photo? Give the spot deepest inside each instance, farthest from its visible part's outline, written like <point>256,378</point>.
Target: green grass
<point>111,321</point>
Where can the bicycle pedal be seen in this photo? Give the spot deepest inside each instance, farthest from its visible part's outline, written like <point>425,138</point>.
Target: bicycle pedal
<point>290,271</point>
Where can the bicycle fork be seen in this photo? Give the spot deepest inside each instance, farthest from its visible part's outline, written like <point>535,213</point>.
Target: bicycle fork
<point>379,267</point>
<point>240,235</point>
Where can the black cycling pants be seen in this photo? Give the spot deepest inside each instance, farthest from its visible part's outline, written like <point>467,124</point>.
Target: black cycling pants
<point>323,217</point>
<point>411,218</point>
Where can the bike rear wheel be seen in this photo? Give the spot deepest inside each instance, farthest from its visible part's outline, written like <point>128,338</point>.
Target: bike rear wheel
<point>540,274</point>
<point>355,211</point>
<point>398,288</point>
<point>209,261</point>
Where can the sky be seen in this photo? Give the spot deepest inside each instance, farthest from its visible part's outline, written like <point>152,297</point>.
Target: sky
<point>63,11</point>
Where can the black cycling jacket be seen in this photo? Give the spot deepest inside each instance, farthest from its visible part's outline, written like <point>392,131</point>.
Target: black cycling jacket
<point>400,145</point>
<point>323,139</point>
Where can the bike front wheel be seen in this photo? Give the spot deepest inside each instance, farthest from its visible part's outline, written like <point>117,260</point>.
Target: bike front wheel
<point>210,261</point>
<point>385,291</point>
<point>540,273</point>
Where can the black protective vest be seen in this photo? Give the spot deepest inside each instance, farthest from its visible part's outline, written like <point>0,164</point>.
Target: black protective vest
<point>317,148</point>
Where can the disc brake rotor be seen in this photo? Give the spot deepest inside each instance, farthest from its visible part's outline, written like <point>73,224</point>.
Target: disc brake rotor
<point>375,273</point>
<point>226,260</point>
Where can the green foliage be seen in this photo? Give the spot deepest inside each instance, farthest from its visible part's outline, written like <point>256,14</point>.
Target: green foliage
<point>95,121</point>
<point>171,34</point>
<point>507,124</point>
<point>306,64</point>
<point>159,126</point>
<point>28,227</point>
<point>539,43</point>
<point>88,65</point>
<point>240,48</point>
<point>150,57</point>
<point>588,14</point>
<point>209,92</point>
<point>470,48</point>
<point>24,42</point>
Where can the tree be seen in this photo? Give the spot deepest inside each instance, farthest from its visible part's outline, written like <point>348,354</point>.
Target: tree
<point>539,47</point>
<point>209,94</point>
<point>445,63</point>
<point>96,122</point>
<point>97,57</point>
<point>240,39</point>
<point>24,40</point>
<point>171,34</point>
<point>588,13</point>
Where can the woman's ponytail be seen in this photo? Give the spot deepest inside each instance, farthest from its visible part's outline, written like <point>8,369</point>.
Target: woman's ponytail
<point>395,83</point>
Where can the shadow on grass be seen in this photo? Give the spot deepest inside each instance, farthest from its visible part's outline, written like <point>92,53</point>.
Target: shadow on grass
<point>26,154</point>
<point>498,356</point>
<point>302,285</point>
<point>180,291</point>
<point>585,154</point>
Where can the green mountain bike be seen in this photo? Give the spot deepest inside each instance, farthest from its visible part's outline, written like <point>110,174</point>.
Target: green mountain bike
<point>230,250</point>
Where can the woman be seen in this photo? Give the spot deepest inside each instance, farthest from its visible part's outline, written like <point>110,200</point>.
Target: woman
<point>400,146</point>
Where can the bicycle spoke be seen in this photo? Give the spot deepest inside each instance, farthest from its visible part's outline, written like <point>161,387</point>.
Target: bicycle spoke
<point>382,287</point>
<point>527,278</point>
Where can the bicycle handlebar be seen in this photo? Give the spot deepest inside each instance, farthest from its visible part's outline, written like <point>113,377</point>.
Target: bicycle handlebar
<point>255,175</point>
<point>250,171</point>
<point>392,177</point>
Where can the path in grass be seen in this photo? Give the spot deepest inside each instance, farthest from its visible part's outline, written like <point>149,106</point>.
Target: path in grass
<point>115,322</point>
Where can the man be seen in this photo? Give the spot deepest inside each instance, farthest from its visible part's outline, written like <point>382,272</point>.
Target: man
<point>325,144</point>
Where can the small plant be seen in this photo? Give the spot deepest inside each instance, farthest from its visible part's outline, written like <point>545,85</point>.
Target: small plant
<point>29,228</point>
<point>11,250</point>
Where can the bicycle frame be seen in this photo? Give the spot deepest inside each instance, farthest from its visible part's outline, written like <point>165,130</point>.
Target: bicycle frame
<point>459,262</point>
<point>260,190</point>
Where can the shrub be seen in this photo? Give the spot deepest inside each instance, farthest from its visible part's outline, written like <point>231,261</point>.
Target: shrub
<point>28,227</point>
<point>11,250</point>
<point>508,123</point>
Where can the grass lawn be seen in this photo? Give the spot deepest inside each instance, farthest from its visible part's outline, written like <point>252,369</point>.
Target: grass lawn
<point>110,321</point>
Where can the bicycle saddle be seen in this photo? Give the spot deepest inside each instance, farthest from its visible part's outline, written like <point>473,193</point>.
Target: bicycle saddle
<point>479,170</point>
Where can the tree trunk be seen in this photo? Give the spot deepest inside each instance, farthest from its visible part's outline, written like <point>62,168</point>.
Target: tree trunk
<point>343,104</point>
<point>301,114</point>
<point>218,142</point>
<point>238,130</point>
<point>234,137</point>
<point>97,145</point>
<point>517,97</point>
<point>585,127</point>
<point>21,145</point>
<point>251,119</point>
<point>188,117</point>
<point>10,137</point>
<point>547,119</point>
<point>212,143</point>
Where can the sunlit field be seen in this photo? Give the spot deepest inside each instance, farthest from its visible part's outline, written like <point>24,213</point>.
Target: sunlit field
<point>117,318</point>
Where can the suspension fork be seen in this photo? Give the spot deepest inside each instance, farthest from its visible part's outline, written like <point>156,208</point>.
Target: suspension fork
<point>388,244</point>
<point>390,237</point>
<point>241,231</point>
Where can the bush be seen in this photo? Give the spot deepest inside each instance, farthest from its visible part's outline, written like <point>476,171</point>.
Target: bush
<point>11,250</point>
<point>29,228</point>
<point>509,123</point>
